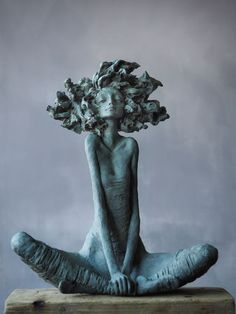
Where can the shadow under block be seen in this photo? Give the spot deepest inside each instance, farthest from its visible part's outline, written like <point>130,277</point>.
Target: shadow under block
<point>185,300</point>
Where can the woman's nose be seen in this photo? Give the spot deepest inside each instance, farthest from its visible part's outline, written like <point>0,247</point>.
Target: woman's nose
<point>110,100</point>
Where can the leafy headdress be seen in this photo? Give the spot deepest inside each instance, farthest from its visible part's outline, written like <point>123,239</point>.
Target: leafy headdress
<point>78,110</point>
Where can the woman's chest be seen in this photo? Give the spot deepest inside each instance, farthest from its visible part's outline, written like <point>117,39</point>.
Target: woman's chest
<point>113,166</point>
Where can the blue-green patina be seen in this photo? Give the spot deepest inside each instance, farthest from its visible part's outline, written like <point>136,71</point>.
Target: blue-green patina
<point>113,259</point>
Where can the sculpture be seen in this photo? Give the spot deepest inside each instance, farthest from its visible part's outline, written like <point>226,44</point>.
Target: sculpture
<point>113,259</point>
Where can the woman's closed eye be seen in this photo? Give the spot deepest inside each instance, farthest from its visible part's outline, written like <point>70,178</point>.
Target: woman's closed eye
<point>102,100</point>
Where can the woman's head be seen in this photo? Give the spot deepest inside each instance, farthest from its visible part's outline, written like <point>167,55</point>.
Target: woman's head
<point>110,103</point>
<point>113,92</point>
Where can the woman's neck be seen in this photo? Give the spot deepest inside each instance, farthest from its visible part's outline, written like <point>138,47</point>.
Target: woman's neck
<point>110,134</point>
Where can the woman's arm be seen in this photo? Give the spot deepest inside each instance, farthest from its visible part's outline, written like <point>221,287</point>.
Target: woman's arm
<point>134,227</point>
<point>100,204</point>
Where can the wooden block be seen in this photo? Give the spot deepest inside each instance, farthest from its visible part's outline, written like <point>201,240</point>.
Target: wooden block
<point>185,300</point>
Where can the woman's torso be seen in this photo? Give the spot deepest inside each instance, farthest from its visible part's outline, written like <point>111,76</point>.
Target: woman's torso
<point>116,179</point>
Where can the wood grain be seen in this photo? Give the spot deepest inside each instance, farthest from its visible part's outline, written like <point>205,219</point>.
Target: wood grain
<point>185,300</point>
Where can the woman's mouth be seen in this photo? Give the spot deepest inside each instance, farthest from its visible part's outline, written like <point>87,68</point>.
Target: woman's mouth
<point>109,109</point>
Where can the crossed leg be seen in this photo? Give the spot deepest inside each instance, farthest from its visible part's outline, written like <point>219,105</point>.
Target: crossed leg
<point>153,273</point>
<point>165,271</point>
<point>67,271</point>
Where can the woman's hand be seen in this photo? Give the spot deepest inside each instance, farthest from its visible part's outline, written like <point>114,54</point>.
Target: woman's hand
<point>126,268</point>
<point>120,284</point>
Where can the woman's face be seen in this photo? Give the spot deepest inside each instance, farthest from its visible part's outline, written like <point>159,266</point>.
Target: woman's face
<point>110,103</point>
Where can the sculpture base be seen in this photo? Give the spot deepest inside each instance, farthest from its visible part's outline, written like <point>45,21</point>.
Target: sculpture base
<point>185,300</point>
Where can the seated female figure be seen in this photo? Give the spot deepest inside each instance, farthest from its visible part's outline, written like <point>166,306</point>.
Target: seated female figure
<point>113,259</point>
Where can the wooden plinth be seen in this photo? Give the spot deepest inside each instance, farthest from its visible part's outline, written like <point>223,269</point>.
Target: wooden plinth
<point>185,300</point>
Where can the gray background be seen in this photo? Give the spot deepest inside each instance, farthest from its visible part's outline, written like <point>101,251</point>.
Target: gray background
<point>187,164</point>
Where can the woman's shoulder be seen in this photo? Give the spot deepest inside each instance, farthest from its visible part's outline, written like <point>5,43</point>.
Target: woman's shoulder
<point>131,143</point>
<point>91,140</point>
<point>130,140</point>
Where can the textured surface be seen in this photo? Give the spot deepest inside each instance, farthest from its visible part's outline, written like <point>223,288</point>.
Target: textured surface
<point>113,259</point>
<point>78,108</point>
<point>188,300</point>
<point>40,43</point>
